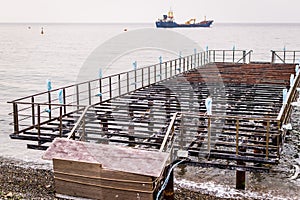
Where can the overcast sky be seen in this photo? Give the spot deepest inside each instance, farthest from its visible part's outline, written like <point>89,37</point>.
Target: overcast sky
<point>134,11</point>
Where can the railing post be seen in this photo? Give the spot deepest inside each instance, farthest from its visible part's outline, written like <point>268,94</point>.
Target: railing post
<point>149,76</point>
<point>32,111</point>
<point>284,56</point>
<point>77,95</point>
<point>179,62</point>
<point>160,71</point>
<point>185,66</point>
<point>16,118</point>
<point>119,83</point>
<point>214,56</point>
<point>208,133</point>
<point>154,74</point>
<point>244,56</point>
<point>166,70</point>
<point>127,81</point>
<point>49,102</point>
<point>201,58</point>
<point>39,120</point>
<point>64,99</point>
<point>273,57</point>
<point>267,139</point>
<point>233,54</point>
<point>224,55</point>
<point>294,57</point>
<point>83,138</point>
<point>237,137</point>
<point>135,79</point>
<point>171,68</point>
<point>250,56</point>
<point>60,121</point>
<point>110,88</point>
<point>278,136</point>
<point>89,92</point>
<point>100,89</point>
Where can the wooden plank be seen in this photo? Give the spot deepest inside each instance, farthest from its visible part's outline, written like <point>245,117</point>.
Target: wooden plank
<point>148,163</point>
<point>120,182</point>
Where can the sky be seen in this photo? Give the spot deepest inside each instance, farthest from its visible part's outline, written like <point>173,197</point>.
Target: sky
<point>142,11</point>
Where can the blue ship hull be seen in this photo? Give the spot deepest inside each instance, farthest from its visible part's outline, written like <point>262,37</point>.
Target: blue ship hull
<point>162,24</point>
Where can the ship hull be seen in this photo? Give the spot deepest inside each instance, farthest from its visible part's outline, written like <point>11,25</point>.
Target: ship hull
<point>161,24</point>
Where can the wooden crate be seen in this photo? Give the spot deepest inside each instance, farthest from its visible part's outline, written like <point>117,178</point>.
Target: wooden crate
<point>90,180</point>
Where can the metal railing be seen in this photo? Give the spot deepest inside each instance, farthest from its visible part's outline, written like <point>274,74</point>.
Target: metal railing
<point>291,57</point>
<point>169,136</point>
<point>35,110</point>
<point>234,56</point>
<point>266,136</point>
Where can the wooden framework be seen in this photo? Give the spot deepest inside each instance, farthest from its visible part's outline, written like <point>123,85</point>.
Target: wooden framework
<point>246,125</point>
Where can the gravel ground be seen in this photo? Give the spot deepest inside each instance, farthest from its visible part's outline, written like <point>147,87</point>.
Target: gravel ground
<point>18,182</point>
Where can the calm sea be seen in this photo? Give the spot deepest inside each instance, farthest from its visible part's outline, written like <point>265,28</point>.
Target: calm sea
<point>28,58</point>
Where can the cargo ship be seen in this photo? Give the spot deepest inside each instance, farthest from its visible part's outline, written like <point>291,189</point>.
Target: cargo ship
<point>168,22</point>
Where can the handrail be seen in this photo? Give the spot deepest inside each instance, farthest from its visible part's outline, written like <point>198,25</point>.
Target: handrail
<point>170,130</point>
<point>100,90</point>
<point>291,96</point>
<point>71,134</point>
<point>291,57</point>
<point>245,55</point>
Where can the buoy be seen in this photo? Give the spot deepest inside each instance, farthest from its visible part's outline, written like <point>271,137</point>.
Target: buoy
<point>42,31</point>
<point>125,29</point>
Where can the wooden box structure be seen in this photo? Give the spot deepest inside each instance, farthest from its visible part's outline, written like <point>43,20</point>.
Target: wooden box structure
<point>99,171</point>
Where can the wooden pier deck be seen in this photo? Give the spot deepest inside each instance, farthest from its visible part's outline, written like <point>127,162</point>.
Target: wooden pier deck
<point>162,108</point>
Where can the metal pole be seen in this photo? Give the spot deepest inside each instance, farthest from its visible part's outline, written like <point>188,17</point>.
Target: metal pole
<point>39,121</point>
<point>119,84</point>
<point>169,190</point>
<point>237,137</point>
<point>273,57</point>
<point>100,89</point>
<point>77,95</point>
<point>60,121</point>
<point>209,134</point>
<point>64,99</point>
<point>127,82</point>
<point>171,68</point>
<point>110,89</point>
<point>142,77</point>
<point>135,80</point>
<point>89,92</point>
<point>166,70</point>
<point>49,101</point>
<point>154,73</point>
<point>149,77</point>
<point>16,120</point>
<point>32,111</point>
<point>267,139</point>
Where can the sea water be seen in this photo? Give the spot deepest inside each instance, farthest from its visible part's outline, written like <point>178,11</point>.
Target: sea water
<point>28,58</point>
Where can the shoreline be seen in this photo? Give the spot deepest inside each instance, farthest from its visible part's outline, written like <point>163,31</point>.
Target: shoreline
<point>31,180</point>
<point>18,180</point>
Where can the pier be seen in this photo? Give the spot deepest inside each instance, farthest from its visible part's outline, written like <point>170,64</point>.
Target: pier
<point>161,108</point>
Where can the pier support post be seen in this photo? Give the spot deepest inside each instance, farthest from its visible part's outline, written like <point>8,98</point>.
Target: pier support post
<point>241,174</point>
<point>169,190</point>
<point>240,179</point>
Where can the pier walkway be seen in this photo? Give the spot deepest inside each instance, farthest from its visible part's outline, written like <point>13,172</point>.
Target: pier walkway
<point>162,108</point>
